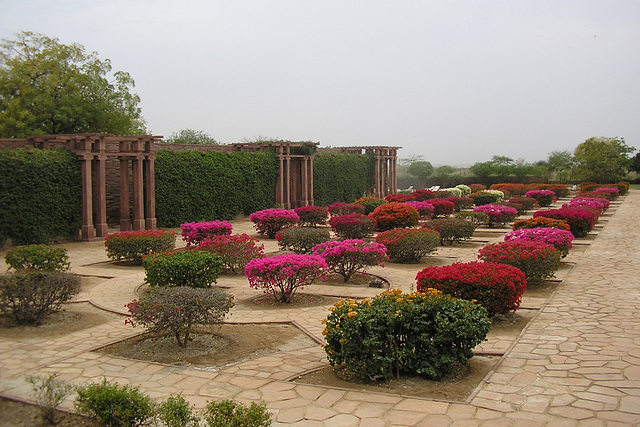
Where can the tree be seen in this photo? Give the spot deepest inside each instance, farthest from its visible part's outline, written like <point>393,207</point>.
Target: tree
<point>560,165</point>
<point>190,136</point>
<point>47,87</point>
<point>635,163</point>
<point>420,169</point>
<point>602,160</point>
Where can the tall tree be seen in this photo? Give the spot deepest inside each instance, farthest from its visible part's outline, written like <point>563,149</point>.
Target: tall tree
<point>560,165</point>
<point>602,160</point>
<point>421,169</point>
<point>47,87</point>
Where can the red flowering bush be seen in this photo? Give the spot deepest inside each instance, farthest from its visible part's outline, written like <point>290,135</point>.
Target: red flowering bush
<point>536,259</point>
<point>195,232</point>
<point>597,203</point>
<point>512,189</point>
<point>442,207</point>
<point>134,245</point>
<point>370,203</point>
<point>398,198</point>
<point>282,275</point>
<point>301,240</point>
<point>409,245</point>
<point>346,257</point>
<point>269,221</point>
<point>497,287</point>
<point>422,195</point>
<point>560,239</point>
<point>541,222</point>
<point>394,215</point>
<point>497,214</point>
<point>341,208</point>
<point>235,250</point>
<point>425,209</point>
<point>312,216</point>
<point>421,333</point>
<point>475,188</point>
<point>544,197</point>
<point>198,269</point>
<point>527,203</point>
<point>460,203</point>
<point>580,221</point>
<point>560,190</point>
<point>451,229</point>
<point>352,226</point>
<point>609,193</point>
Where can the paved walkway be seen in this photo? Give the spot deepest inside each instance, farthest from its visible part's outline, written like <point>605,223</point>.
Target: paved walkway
<point>576,364</point>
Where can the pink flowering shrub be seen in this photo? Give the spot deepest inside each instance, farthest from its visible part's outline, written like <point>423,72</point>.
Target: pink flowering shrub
<point>312,216</point>
<point>537,260</point>
<point>597,203</point>
<point>496,287</point>
<point>425,209</point>
<point>498,214</point>
<point>269,221</point>
<point>527,203</point>
<point>580,221</point>
<point>409,245</point>
<point>235,250</point>
<point>352,226</point>
<point>609,192</point>
<point>195,232</point>
<point>134,245</point>
<point>560,239</point>
<point>544,197</point>
<point>282,275</point>
<point>342,208</point>
<point>346,257</point>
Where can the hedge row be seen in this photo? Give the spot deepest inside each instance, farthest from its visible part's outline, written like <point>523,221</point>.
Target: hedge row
<point>339,177</point>
<point>40,196</point>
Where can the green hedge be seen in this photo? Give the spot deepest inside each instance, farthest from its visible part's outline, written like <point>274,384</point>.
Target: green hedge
<point>40,195</point>
<point>341,177</point>
<point>191,186</point>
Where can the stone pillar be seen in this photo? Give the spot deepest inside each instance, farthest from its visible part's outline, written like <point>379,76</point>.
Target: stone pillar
<point>125,213</point>
<point>138,193</point>
<point>101,195</point>
<point>287,186</point>
<point>310,181</point>
<point>281,180</point>
<point>150,192</point>
<point>88,231</point>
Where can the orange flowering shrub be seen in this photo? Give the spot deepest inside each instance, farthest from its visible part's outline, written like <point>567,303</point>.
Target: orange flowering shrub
<point>395,215</point>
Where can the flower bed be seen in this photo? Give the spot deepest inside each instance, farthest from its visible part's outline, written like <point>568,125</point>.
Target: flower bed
<point>580,221</point>
<point>541,221</point>
<point>536,259</point>
<point>498,214</point>
<point>442,207</point>
<point>409,245</point>
<point>560,239</point>
<point>544,197</point>
<point>195,232</point>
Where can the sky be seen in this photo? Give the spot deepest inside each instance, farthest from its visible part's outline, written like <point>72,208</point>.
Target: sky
<point>454,81</point>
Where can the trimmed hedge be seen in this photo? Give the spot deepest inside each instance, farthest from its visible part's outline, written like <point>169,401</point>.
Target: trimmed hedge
<point>339,177</point>
<point>40,196</point>
<point>213,185</point>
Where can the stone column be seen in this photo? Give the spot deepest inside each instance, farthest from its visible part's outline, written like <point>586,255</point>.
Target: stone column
<point>138,190</point>
<point>101,195</point>
<point>310,182</point>
<point>150,192</point>
<point>125,213</point>
<point>88,231</point>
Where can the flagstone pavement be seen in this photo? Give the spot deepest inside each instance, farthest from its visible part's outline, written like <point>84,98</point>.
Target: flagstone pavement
<point>577,363</point>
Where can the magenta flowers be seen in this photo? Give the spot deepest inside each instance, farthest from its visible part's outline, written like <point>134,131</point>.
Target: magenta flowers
<point>347,257</point>
<point>270,221</point>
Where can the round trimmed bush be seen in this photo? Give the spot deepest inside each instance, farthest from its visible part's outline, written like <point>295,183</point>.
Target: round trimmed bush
<point>301,240</point>
<point>370,203</point>
<point>451,229</point>
<point>346,257</point>
<point>113,405</point>
<point>460,203</point>
<point>541,221</point>
<point>352,226</point>
<point>425,209</point>
<point>198,269</point>
<point>312,216</point>
<point>497,287</point>
<point>476,218</point>
<point>269,221</point>
<point>498,214</point>
<point>135,245</point>
<point>442,207</point>
<point>195,232</point>
<point>544,197</point>
<point>38,257</point>
<point>394,215</point>
<point>486,197</point>
<point>409,245</point>
<point>580,221</point>
<point>235,250</point>
<point>537,260</point>
<point>560,239</point>
<point>342,208</point>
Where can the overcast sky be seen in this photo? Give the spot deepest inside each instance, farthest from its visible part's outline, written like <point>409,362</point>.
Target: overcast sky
<point>455,81</point>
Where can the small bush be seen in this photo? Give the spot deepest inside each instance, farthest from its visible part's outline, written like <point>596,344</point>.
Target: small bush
<point>114,405</point>
<point>198,269</point>
<point>560,239</point>
<point>476,218</point>
<point>527,203</point>
<point>464,189</point>
<point>178,309</point>
<point>442,207</point>
<point>312,216</point>
<point>342,208</point>
<point>544,197</point>
<point>269,221</point>
<point>346,257</point>
<point>421,333</point>
<point>352,226</point>
<point>476,188</point>
<point>460,203</point>
<point>235,250</point>
<point>134,245</point>
<point>176,412</point>
<point>451,229</point>
<point>580,221</point>
<point>301,240</point>
<point>28,297</point>
<point>537,260</point>
<point>498,215</point>
<point>409,245</point>
<point>422,195</point>
<point>609,193</point>
<point>601,205</point>
<point>497,287</point>
<point>49,394</point>
<point>486,197</point>
<point>394,215</point>
<point>541,221</point>
<point>400,198</point>
<point>282,275</point>
<point>195,232</point>
<point>370,203</point>
<point>228,413</point>
<point>38,257</point>
<point>425,209</point>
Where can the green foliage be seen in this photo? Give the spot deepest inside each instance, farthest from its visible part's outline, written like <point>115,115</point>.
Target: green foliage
<point>301,240</point>
<point>228,413</point>
<point>190,136</point>
<point>476,218</point>
<point>47,87</point>
<point>114,405</point>
<point>602,160</point>
<point>38,257</point>
<point>420,169</point>
<point>451,230</point>
<point>409,245</point>
<point>484,198</point>
<point>135,245</point>
<point>341,177</point>
<point>194,268</point>
<point>176,412</point>
<point>396,333</point>
<point>198,187</point>
<point>27,297</point>
<point>40,196</point>
<point>49,394</point>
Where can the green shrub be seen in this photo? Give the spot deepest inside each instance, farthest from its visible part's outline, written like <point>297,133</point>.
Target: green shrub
<point>49,394</point>
<point>484,198</point>
<point>451,229</point>
<point>235,250</point>
<point>135,245</point>
<point>27,297</point>
<point>228,413</point>
<point>396,333</point>
<point>339,177</point>
<point>301,240</point>
<point>41,198</point>
<point>198,269</point>
<point>38,257</point>
<point>114,405</point>
<point>178,309</point>
<point>176,412</point>
<point>409,245</point>
<point>370,203</point>
<point>476,218</point>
